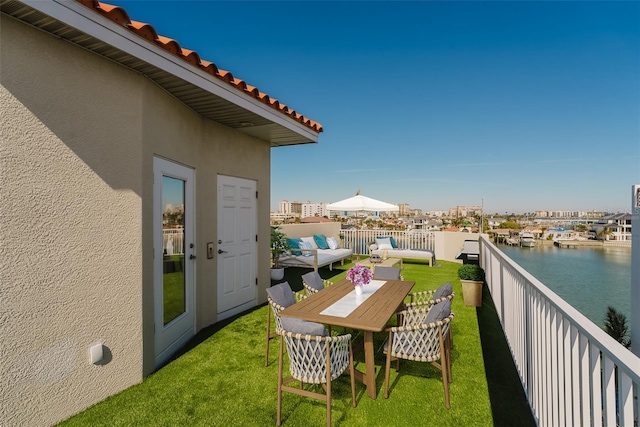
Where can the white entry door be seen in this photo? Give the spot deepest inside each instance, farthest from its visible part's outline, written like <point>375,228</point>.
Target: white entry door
<point>174,257</point>
<point>237,245</point>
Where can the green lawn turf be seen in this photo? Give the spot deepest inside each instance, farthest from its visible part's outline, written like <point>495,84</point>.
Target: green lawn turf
<point>222,381</point>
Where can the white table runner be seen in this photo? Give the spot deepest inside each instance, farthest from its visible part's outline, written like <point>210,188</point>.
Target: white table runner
<point>345,305</point>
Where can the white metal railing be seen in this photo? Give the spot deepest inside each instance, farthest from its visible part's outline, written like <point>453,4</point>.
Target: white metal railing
<point>572,371</point>
<point>359,240</point>
<point>173,241</point>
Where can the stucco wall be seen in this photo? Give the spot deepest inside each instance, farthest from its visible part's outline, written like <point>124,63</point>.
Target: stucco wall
<point>70,203</point>
<point>449,244</point>
<point>79,134</point>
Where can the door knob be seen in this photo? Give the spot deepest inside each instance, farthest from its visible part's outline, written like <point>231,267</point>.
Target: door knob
<point>220,251</point>
<point>192,256</point>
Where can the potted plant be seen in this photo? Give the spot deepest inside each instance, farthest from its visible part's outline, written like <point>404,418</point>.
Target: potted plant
<point>279,245</point>
<point>472,278</point>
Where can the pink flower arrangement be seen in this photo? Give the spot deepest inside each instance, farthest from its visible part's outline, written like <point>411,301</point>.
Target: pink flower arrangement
<point>359,275</point>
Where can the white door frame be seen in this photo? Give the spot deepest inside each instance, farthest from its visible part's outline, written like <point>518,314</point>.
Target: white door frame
<point>172,336</point>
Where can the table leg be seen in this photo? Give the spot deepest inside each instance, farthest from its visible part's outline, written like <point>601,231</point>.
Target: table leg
<point>370,366</point>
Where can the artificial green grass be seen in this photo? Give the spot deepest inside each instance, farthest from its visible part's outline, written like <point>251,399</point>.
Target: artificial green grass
<point>173,295</point>
<point>222,380</point>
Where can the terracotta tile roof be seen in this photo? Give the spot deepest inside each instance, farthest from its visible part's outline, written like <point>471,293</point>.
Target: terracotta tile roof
<point>120,16</point>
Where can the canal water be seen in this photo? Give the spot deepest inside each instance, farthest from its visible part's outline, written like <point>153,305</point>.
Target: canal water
<point>590,279</point>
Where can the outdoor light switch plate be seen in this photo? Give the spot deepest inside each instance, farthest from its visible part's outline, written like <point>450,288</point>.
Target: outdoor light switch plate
<point>210,250</point>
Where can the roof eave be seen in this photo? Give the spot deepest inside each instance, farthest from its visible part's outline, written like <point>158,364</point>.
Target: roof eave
<point>210,97</point>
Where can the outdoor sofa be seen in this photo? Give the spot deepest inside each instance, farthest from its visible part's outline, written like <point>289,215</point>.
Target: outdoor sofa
<point>393,251</point>
<point>315,251</point>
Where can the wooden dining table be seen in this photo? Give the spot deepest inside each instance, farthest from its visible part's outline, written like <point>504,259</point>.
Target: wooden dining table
<point>371,315</point>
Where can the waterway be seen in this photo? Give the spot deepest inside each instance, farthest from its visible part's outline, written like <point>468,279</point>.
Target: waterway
<point>590,279</point>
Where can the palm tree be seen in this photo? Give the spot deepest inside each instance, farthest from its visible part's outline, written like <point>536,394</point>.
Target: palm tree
<point>615,324</point>
<point>605,233</point>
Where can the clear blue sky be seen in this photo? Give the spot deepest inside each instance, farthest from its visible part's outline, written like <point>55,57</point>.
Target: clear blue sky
<point>527,105</point>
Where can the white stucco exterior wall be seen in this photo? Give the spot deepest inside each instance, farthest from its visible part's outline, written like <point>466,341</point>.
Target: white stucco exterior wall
<point>71,213</point>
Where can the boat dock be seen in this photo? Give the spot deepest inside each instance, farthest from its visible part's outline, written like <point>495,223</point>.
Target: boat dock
<point>577,243</point>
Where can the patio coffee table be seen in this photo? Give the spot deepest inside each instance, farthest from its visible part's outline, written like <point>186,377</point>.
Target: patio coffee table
<point>370,316</point>
<point>389,262</point>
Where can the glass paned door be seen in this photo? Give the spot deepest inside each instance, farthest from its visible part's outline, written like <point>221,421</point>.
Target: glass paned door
<point>174,257</point>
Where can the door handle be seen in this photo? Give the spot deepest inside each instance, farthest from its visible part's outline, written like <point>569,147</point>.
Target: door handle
<point>220,251</point>
<point>192,256</point>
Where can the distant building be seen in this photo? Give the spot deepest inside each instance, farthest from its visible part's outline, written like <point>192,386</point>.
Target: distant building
<point>465,211</point>
<point>286,207</point>
<point>282,218</point>
<point>424,223</point>
<point>404,209</point>
<point>495,222</point>
<point>569,214</point>
<point>314,209</point>
<point>613,227</point>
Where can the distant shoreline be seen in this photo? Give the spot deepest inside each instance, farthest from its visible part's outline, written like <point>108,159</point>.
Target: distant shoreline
<point>584,243</point>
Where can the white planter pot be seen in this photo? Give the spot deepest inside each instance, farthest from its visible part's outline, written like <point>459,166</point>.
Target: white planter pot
<point>277,273</point>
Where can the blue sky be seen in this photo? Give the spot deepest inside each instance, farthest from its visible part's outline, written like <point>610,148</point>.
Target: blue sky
<point>523,105</point>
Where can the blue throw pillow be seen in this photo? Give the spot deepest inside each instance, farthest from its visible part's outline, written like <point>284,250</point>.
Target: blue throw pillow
<point>321,241</point>
<point>294,244</point>
<point>394,245</point>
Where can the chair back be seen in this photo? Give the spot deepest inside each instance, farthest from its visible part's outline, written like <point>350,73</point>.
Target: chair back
<point>308,356</point>
<point>421,337</point>
<point>280,297</point>
<point>281,294</point>
<point>425,314</point>
<point>429,298</point>
<point>313,281</point>
<point>389,273</point>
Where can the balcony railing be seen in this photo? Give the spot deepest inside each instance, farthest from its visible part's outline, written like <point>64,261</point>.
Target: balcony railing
<point>572,372</point>
<point>173,241</point>
<point>359,240</point>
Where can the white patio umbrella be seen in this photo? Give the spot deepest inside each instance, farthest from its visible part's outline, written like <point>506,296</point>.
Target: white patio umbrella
<point>360,203</point>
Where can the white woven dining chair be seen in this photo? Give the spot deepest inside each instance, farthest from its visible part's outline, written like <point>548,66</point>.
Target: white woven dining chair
<point>424,337</point>
<point>314,358</point>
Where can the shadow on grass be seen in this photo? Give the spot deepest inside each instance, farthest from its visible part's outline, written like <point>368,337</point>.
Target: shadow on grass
<point>509,405</point>
<point>293,275</point>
